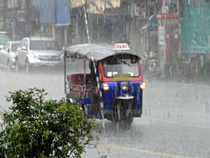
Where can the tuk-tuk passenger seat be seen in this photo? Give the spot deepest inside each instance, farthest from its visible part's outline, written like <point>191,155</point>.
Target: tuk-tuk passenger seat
<point>77,82</point>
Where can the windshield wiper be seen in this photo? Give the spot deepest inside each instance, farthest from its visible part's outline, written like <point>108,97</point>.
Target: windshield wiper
<point>124,62</point>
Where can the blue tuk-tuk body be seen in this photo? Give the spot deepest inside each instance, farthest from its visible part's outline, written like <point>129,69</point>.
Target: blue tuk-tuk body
<point>113,88</point>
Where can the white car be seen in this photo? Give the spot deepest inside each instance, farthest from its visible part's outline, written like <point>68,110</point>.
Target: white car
<point>4,37</point>
<point>8,54</point>
<point>38,51</point>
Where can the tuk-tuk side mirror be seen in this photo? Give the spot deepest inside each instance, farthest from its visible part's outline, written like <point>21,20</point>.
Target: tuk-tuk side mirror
<point>7,50</point>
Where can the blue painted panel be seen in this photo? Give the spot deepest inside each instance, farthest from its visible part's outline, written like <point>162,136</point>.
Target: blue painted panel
<point>137,93</point>
<point>62,12</point>
<point>85,101</point>
<point>47,11</point>
<point>109,95</point>
<point>154,24</point>
<point>114,91</point>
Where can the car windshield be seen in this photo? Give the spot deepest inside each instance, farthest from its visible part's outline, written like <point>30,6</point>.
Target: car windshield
<point>121,65</point>
<point>4,39</point>
<point>14,46</point>
<point>44,45</point>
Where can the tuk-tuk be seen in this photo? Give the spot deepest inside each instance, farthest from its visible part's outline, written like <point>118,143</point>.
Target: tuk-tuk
<point>111,84</point>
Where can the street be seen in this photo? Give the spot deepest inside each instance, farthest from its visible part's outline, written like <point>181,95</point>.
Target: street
<point>175,121</point>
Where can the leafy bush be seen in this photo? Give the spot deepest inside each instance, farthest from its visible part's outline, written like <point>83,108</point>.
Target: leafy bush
<point>34,127</point>
<point>180,68</point>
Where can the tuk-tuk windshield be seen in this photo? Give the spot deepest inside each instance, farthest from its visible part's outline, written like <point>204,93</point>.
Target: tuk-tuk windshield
<point>121,65</point>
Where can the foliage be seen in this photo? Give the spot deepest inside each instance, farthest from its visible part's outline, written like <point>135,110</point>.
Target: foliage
<point>205,70</point>
<point>179,64</point>
<point>179,67</point>
<point>167,67</point>
<point>34,127</point>
<point>2,26</point>
<point>185,70</point>
<point>18,37</point>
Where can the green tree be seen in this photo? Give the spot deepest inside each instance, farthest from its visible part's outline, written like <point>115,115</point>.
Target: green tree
<point>34,127</point>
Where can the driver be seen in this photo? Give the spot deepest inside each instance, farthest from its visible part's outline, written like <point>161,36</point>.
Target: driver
<point>92,71</point>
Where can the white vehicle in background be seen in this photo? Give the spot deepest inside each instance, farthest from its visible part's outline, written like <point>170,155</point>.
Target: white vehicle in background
<point>8,54</point>
<point>38,51</point>
<point>4,37</point>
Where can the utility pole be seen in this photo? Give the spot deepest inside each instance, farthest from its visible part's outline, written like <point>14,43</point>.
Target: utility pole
<point>161,47</point>
<point>86,20</point>
<point>4,14</point>
<point>27,4</point>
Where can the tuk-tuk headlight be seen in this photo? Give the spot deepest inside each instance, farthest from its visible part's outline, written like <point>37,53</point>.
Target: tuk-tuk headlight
<point>142,85</point>
<point>105,86</point>
<point>124,86</point>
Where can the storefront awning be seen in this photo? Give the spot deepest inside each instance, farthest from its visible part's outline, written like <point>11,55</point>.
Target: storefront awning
<point>96,6</point>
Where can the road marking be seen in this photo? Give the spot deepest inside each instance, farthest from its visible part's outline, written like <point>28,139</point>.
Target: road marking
<point>145,151</point>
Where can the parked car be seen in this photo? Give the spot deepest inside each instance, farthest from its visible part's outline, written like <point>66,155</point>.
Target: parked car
<point>4,37</point>
<point>8,54</point>
<point>38,51</point>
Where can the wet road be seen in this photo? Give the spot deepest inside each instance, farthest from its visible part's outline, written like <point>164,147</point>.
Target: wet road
<point>175,121</point>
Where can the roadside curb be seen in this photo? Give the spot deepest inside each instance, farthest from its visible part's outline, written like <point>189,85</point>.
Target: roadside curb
<point>193,84</point>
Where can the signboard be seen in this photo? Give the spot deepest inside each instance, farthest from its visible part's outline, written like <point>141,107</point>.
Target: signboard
<point>77,3</point>
<point>121,46</point>
<point>96,6</point>
<point>153,26</point>
<point>170,21</point>
<point>161,35</point>
<point>165,9</point>
<point>47,14</point>
<point>169,6</point>
<point>62,12</point>
<point>140,9</point>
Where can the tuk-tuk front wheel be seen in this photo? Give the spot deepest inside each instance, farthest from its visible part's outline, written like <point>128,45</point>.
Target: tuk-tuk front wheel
<point>122,113</point>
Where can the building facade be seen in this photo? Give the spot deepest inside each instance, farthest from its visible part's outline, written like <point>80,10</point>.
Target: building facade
<point>150,25</point>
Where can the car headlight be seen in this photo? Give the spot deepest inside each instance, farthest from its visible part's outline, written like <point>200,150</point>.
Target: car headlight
<point>35,56</point>
<point>40,57</point>
<point>105,86</point>
<point>124,86</point>
<point>142,85</point>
